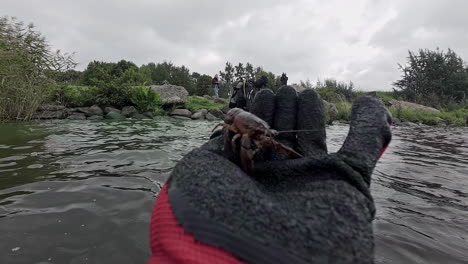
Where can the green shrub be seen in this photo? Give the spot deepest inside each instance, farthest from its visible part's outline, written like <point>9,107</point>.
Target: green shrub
<point>145,99</point>
<point>197,103</point>
<point>344,110</point>
<point>78,96</point>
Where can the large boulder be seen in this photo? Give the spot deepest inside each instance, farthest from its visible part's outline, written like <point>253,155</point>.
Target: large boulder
<point>170,94</point>
<point>403,104</point>
<point>129,111</point>
<point>181,112</point>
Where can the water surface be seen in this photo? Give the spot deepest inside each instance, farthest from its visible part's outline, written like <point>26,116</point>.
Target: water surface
<point>82,192</point>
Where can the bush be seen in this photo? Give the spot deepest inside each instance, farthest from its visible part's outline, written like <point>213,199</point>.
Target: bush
<point>197,103</point>
<point>344,110</point>
<point>77,96</point>
<point>145,99</point>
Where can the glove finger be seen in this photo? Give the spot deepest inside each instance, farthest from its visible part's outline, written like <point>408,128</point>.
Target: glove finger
<point>368,136</point>
<point>310,116</point>
<point>264,106</point>
<point>285,115</point>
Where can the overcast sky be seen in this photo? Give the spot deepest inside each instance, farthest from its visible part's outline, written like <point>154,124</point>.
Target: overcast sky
<point>359,40</point>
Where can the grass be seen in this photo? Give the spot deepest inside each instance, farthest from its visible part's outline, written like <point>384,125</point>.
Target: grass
<point>457,118</point>
<point>344,110</point>
<point>197,103</point>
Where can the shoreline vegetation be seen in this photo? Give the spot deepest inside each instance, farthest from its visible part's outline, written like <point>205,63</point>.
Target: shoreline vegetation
<point>34,79</point>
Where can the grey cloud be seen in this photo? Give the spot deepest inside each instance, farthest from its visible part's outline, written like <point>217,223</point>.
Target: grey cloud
<point>360,41</point>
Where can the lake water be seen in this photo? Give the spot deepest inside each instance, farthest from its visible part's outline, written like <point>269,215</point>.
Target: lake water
<point>82,192</point>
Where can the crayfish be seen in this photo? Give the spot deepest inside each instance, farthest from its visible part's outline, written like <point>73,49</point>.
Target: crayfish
<point>255,135</point>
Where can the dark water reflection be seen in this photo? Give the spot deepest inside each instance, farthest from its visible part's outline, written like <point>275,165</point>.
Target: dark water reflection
<point>82,192</point>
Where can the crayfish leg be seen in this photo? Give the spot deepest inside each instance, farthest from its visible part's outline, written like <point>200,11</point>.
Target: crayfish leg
<point>246,153</point>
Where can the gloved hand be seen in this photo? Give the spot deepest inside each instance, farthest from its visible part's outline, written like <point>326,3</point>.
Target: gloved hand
<point>316,209</point>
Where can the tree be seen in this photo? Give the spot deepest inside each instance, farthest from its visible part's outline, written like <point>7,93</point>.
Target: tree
<point>26,61</point>
<point>227,78</point>
<point>240,71</point>
<point>249,71</point>
<point>434,78</point>
<point>203,85</point>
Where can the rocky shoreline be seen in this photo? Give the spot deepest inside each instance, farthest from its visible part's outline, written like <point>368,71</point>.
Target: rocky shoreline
<point>95,112</point>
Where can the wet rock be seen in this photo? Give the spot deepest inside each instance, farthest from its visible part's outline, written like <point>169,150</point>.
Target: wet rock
<point>181,112</point>
<point>198,115</point>
<point>170,94</point>
<point>114,116</point>
<point>95,111</point>
<point>217,113</point>
<point>111,109</point>
<point>140,116</point>
<point>149,115</point>
<point>49,115</point>
<point>211,117</point>
<point>95,117</point>
<point>77,116</point>
<point>129,111</point>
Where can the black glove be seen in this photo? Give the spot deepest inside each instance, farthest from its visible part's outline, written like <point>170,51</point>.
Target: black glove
<point>316,209</point>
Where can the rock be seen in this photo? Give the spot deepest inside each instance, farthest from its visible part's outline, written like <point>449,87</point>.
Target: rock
<point>330,111</point>
<point>396,121</point>
<point>77,116</point>
<point>182,117</point>
<point>220,100</point>
<point>403,104</point>
<point>170,94</point>
<point>129,111</point>
<point>114,116</point>
<point>69,111</point>
<point>96,117</point>
<point>149,115</point>
<point>140,116</point>
<point>90,111</point>
<point>198,116</point>
<point>111,109</point>
<point>95,111</point>
<point>217,113</point>
<point>181,112</point>
<point>51,108</point>
<point>211,117</point>
<point>49,115</point>
<point>207,97</point>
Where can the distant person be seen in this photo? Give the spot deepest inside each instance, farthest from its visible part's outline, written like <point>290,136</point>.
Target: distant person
<point>215,84</point>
